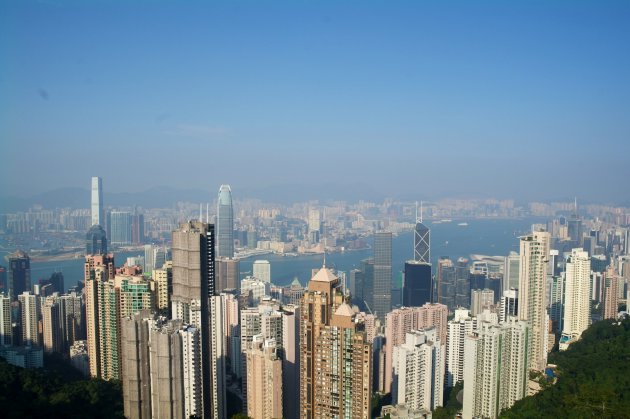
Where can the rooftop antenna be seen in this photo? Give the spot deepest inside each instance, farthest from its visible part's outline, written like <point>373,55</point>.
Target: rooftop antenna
<point>324,265</point>
<point>576,212</point>
<point>200,219</point>
<point>207,216</point>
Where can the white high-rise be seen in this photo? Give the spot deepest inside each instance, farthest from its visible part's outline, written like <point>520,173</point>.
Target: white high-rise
<point>577,302</point>
<point>261,269</point>
<point>495,368</point>
<point>97,201</point>
<point>31,312</point>
<point>532,298</point>
<point>6,331</point>
<point>458,328</point>
<point>419,371</point>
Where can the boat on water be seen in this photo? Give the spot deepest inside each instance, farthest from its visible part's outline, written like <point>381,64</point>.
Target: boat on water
<point>446,220</point>
<point>463,224</point>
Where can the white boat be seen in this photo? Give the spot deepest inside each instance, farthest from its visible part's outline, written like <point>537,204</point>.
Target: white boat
<point>463,224</point>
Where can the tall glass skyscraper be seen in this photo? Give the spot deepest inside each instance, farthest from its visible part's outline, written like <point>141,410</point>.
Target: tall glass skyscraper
<point>97,201</point>
<point>421,240</point>
<point>225,223</point>
<point>382,295</point>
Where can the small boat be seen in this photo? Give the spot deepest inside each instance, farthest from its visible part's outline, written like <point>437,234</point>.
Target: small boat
<point>463,224</point>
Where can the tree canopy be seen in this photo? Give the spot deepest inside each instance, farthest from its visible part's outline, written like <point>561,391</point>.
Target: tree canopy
<point>593,378</point>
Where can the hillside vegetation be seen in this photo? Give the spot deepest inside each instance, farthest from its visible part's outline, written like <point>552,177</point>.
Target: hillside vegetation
<point>593,378</point>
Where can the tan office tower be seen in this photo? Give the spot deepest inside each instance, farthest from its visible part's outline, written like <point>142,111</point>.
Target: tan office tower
<point>195,301</point>
<point>31,310</point>
<point>401,321</point>
<point>532,301</point>
<point>611,294</point>
<point>291,361</point>
<point>264,380</point>
<point>335,357</point>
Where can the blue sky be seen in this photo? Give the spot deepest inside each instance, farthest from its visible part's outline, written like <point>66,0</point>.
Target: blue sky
<point>529,100</point>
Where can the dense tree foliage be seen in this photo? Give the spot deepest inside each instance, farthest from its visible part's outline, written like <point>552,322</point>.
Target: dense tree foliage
<point>451,405</point>
<point>593,378</point>
<point>56,392</point>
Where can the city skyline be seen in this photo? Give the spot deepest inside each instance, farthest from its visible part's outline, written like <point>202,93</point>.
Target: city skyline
<point>469,86</point>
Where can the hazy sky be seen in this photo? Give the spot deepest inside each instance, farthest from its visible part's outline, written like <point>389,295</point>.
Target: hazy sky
<point>513,99</point>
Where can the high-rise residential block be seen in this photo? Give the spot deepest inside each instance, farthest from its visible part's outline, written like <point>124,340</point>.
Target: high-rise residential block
<point>53,338</point>
<point>401,321</point>
<point>611,294</point>
<point>163,280</point>
<point>532,304</point>
<point>461,326</point>
<point>264,379</point>
<point>162,368</point>
<point>30,309</point>
<point>291,361</point>
<point>228,274</point>
<point>577,297</point>
<point>6,328</point>
<point>194,301</point>
<point>382,286</point>
<point>225,223</point>
<point>335,358</point>
<point>495,368</point>
<point>509,305</point>
<point>419,370</point>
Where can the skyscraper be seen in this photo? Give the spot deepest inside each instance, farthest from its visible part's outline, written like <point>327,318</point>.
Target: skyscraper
<point>264,379</point>
<point>19,274</point>
<point>52,326</point>
<point>120,228</point>
<point>30,308</point>
<point>462,283</point>
<point>335,357</point>
<point>577,298</point>
<point>511,271</point>
<point>458,328</point>
<point>495,368</point>
<point>262,270</point>
<point>96,241</point>
<point>419,370</point>
<point>532,301</point>
<point>225,223</point>
<point>418,286</point>
<point>6,328</point>
<point>403,320</point>
<point>194,302</point>
<point>382,290</point>
<point>611,294</point>
<point>97,201</point>
<point>421,240</point>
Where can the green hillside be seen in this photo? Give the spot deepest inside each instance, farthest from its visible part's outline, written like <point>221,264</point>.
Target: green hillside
<point>593,378</point>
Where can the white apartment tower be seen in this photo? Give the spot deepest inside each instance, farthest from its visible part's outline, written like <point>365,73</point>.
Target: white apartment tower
<point>262,270</point>
<point>577,301</point>
<point>458,328</point>
<point>495,368</point>
<point>419,371</point>
<point>532,301</point>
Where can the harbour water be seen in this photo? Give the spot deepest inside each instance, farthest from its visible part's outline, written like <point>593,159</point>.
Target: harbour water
<point>480,236</point>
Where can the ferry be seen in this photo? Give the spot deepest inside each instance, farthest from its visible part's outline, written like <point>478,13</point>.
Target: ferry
<point>463,224</point>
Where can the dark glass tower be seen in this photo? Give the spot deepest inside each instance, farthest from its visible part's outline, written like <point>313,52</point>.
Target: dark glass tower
<point>418,287</point>
<point>19,274</point>
<point>96,241</point>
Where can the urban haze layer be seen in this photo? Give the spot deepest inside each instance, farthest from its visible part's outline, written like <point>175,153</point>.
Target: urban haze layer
<point>190,332</point>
